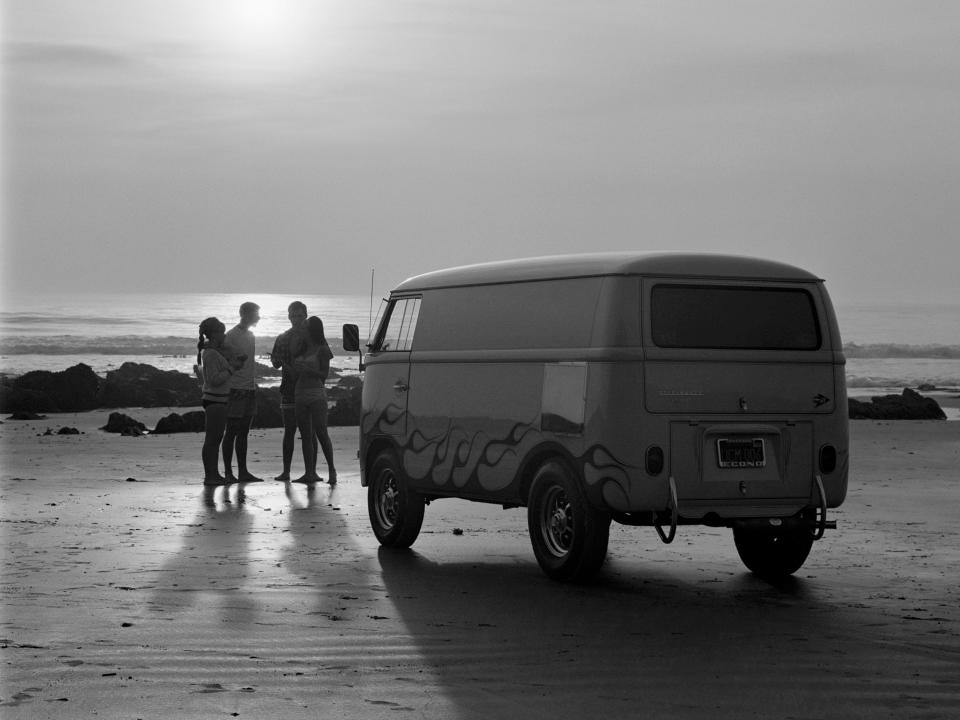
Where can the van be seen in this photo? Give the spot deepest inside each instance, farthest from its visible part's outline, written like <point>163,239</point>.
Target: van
<point>655,390</point>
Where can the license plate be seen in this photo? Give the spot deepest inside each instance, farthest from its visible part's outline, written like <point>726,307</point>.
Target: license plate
<point>741,453</point>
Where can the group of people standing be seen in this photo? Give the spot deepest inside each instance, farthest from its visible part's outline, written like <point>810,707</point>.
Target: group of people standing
<point>226,364</point>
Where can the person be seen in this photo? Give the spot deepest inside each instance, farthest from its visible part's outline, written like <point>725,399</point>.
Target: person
<point>242,402</point>
<point>214,370</point>
<point>282,357</point>
<point>312,364</point>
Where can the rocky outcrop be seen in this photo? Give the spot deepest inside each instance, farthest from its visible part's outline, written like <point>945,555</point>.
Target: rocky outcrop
<point>75,389</point>
<point>124,425</point>
<point>345,396</point>
<point>17,400</point>
<point>175,423</point>
<point>140,385</point>
<point>909,405</point>
<point>268,409</point>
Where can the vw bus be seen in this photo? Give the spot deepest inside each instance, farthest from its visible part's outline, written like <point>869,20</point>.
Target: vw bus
<point>655,390</point>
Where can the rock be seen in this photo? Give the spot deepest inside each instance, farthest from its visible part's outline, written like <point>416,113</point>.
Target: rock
<point>72,390</point>
<point>15,399</point>
<point>68,431</point>
<point>344,399</point>
<point>261,370</point>
<point>124,425</point>
<point>176,423</point>
<point>910,405</point>
<point>26,416</point>
<point>141,385</point>
<point>268,409</point>
<point>346,396</point>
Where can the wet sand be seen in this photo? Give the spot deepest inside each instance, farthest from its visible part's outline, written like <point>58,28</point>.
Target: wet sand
<point>131,592</point>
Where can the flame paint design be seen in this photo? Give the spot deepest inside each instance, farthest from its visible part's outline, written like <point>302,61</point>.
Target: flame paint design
<point>455,458</point>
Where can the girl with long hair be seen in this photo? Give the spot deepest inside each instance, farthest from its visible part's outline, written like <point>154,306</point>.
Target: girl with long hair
<point>312,365</point>
<point>215,370</point>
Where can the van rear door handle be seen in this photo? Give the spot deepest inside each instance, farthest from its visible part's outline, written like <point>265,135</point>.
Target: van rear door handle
<point>400,386</point>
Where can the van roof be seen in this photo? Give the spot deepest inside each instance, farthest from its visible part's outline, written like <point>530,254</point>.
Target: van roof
<point>686,265</point>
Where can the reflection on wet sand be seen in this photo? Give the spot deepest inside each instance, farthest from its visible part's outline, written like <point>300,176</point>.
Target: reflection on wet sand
<point>213,560</point>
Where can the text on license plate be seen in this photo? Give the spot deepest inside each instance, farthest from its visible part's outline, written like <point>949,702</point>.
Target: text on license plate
<point>741,453</point>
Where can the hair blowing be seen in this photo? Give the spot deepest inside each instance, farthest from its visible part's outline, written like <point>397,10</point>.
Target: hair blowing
<point>207,329</point>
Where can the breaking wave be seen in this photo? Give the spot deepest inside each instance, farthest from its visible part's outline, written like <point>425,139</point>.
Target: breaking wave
<point>77,345</point>
<point>120,345</point>
<point>170,345</point>
<point>894,350</point>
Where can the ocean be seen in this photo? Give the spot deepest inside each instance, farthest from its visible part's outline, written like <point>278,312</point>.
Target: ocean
<point>888,346</point>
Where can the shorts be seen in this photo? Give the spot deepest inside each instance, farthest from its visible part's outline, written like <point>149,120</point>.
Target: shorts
<point>316,405</point>
<point>242,403</point>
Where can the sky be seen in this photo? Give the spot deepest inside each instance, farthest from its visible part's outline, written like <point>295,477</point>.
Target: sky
<point>296,146</point>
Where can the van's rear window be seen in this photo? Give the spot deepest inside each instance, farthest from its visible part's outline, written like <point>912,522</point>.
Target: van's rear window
<point>754,318</point>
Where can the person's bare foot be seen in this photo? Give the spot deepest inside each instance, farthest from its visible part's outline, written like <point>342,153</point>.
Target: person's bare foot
<point>333,477</point>
<point>215,480</point>
<point>283,477</point>
<point>308,478</point>
<point>247,476</point>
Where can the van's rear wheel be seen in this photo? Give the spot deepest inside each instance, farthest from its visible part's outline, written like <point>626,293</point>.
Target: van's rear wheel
<point>569,537</point>
<point>773,553</point>
<point>396,511</point>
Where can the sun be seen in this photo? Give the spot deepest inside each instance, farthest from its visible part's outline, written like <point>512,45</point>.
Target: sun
<point>262,24</point>
<point>266,40</point>
<point>269,35</point>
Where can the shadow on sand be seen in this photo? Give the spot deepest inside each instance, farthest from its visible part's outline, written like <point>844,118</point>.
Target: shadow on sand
<point>506,641</point>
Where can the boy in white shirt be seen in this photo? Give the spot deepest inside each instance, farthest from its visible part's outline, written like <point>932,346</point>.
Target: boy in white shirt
<point>242,402</point>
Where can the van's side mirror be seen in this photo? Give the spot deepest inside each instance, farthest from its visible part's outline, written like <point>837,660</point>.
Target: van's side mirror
<point>351,340</point>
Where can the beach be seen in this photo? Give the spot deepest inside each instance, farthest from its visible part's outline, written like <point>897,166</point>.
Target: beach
<point>131,591</point>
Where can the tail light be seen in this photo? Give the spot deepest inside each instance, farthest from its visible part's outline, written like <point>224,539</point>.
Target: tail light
<point>828,459</point>
<point>654,460</point>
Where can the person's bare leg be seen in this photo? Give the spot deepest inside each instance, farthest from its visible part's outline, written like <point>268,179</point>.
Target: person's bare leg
<point>289,440</point>
<point>243,474</point>
<point>308,444</point>
<point>215,419</point>
<point>229,439</point>
<point>326,445</point>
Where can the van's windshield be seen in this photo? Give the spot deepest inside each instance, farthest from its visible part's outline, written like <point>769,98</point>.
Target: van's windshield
<point>724,317</point>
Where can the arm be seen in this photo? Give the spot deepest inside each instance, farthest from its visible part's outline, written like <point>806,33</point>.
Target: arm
<point>276,353</point>
<point>230,356</point>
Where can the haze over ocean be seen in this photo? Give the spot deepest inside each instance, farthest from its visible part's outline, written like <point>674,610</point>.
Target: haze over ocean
<point>888,346</point>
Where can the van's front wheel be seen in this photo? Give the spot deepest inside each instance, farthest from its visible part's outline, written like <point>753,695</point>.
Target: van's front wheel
<point>569,537</point>
<point>396,511</point>
<point>773,553</point>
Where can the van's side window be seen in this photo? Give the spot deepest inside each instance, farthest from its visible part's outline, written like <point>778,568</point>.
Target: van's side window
<point>401,324</point>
